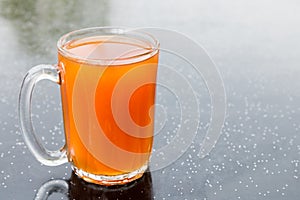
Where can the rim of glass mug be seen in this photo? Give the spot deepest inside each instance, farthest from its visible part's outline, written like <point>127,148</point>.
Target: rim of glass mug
<point>134,36</point>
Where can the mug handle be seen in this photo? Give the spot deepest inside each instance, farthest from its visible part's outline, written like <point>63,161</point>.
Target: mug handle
<point>34,75</point>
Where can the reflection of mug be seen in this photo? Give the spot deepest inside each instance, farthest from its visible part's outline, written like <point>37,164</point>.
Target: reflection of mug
<point>107,78</point>
<point>76,189</point>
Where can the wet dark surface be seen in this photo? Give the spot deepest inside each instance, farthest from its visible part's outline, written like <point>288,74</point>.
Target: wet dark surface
<point>255,46</point>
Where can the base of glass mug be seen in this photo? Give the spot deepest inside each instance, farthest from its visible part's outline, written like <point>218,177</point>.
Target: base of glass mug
<point>110,180</point>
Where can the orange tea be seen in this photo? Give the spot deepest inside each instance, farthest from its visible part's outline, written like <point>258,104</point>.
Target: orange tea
<point>108,94</point>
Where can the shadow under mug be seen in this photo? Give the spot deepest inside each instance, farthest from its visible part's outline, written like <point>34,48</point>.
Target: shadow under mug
<point>107,79</point>
<point>77,189</point>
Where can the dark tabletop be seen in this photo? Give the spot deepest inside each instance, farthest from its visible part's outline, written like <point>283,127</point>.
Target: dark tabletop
<point>255,46</point>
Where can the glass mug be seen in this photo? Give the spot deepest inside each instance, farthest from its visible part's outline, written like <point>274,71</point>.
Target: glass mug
<point>107,81</point>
